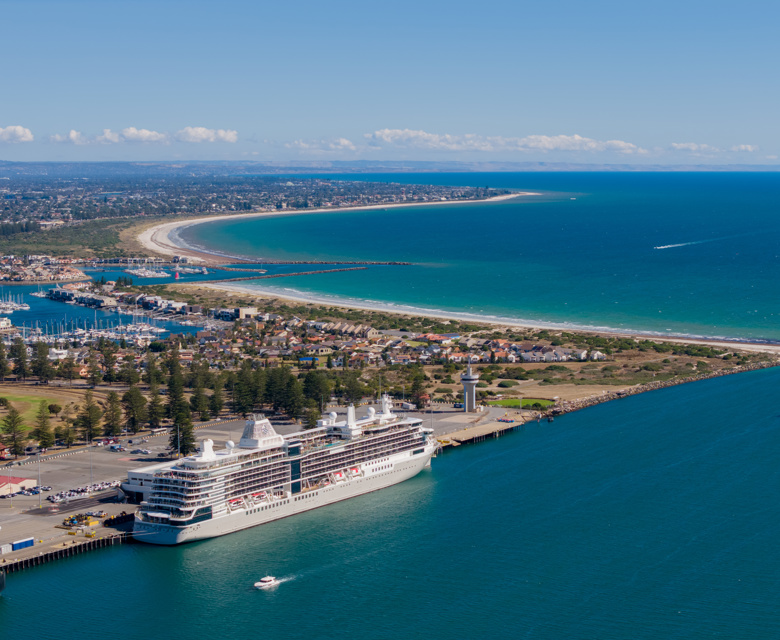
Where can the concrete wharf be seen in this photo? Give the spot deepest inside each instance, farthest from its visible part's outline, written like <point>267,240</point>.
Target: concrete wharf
<point>481,432</point>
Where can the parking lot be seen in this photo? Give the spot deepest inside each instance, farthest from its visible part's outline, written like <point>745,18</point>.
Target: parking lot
<point>96,464</point>
<point>34,515</point>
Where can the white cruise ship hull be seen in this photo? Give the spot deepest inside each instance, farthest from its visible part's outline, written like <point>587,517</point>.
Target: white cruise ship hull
<point>373,475</point>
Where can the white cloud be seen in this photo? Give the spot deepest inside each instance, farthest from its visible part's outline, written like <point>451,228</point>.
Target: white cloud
<point>134,134</point>
<point>575,143</point>
<point>15,133</point>
<point>424,140</point>
<point>322,146</point>
<point>750,148</point>
<point>131,134</point>
<point>694,147</point>
<point>342,143</point>
<point>108,137</point>
<point>73,137</point>
<point>202,134</point>
<point>417,139</point>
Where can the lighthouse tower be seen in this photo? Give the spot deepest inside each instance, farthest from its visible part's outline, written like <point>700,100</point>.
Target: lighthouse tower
<point>469,380</point>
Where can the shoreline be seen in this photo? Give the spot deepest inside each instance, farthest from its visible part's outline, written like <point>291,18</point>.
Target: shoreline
<point>402,310</point>
<point>161,238</point>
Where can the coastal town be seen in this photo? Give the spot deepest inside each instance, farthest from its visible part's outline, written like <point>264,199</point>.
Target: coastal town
<point>389,321</point>
<point>326,355</point>
<point>35,202</point>
<point>145,351</point>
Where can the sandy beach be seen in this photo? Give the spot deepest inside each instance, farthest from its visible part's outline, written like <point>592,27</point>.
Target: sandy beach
<point>157,239</point>
<point>161,239</point>
<point>263,292</point>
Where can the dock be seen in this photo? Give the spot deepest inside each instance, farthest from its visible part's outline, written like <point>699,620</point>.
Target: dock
<point>63,550</point>
<point>480,433</point>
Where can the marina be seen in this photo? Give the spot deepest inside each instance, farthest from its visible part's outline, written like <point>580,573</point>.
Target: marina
<point>148,273</point>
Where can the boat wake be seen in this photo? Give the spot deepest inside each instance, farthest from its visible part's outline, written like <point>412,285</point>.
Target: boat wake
<point>688,244</point>
<point>685,244</point>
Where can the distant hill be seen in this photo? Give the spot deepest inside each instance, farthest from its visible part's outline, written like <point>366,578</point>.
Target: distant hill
<point>96,170</point>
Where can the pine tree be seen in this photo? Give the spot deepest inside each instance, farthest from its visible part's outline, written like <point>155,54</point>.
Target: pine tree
<point>294,400</point>
<point>4,368</point>
<point>14,432</point>
<point>42,431</point>
<point>175,385</point>
<point>182,434</point>
<point>18,354</point>
<point>94,374</point>
<point>128,374</point>
<point>317,387</point>
<point>153,375</point>
<point>112,419</point>
<point>88,418</point>
<point>41,365</point>
<point>109,363</point>
<point>199,403</point>
<point>258,386</point>
<point>67,369</point>
<point>134,404</point>
<point>217,400</point>
<point>244,400</point>
<point>155,411</point>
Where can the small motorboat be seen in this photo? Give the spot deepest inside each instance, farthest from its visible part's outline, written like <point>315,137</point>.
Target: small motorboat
<point>267,583</point>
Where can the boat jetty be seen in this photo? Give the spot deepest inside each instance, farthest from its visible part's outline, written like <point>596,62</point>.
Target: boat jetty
<point>9,304</point>
<point>148,273</point>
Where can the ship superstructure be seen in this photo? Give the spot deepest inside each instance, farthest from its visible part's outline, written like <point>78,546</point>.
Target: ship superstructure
<point>269,476</point>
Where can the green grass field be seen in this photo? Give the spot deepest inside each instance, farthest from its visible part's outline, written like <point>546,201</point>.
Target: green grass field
<point>523,404</point>
<point>27,404</point>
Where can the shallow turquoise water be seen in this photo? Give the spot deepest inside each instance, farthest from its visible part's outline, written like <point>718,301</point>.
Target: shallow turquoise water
<point>654,516</point>
<point>583,254</point>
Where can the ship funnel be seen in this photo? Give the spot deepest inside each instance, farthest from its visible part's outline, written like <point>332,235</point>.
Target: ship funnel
<point>387,406</point>
<point>207,449</point>
<point>351,416</point>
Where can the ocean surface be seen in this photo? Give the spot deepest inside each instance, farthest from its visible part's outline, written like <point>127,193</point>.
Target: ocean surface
<point>669,253</point>
<point>654,516</point>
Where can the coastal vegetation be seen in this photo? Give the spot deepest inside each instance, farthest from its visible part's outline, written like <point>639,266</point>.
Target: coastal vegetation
<point>92,239</point>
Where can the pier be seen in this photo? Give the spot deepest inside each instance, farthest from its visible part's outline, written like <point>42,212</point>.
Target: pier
<point>77,547</point>
<point>480,433</point>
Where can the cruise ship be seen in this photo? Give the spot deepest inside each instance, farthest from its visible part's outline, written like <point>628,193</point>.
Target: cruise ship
<point>269,476</point>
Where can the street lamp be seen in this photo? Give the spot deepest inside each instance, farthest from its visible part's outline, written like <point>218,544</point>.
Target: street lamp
<point>39,479</point>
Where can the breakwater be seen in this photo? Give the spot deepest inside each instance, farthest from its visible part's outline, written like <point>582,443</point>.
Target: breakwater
<point>391,263</point>
<point>583,403</point>
<point>286,275</point>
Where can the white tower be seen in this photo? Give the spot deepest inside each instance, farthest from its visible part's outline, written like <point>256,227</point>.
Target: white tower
<point>469,380</point>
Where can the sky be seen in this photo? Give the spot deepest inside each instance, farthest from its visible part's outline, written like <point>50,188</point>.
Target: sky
<point>557,81</point>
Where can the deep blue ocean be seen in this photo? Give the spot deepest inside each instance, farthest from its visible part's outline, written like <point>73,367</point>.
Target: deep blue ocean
<point>651,517</point>
<point>673,253</point>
